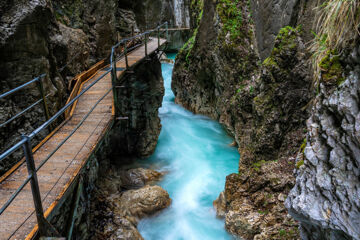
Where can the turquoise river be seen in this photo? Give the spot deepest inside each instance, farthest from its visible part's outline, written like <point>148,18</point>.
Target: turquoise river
<point>194,151</point>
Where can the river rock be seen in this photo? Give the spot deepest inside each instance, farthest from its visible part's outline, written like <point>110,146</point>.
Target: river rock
<point>136,204</point>
<point>116,215</point>
<point>220,205</point>
<point>253,204</point>
<point>136,178</point>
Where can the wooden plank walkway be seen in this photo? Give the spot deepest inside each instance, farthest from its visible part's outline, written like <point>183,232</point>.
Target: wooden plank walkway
<point>19,219</point>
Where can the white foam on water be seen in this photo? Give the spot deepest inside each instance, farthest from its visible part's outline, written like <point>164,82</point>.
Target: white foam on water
<point>194,152</point>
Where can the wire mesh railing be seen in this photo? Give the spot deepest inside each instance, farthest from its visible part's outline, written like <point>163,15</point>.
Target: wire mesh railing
<point>45,227</point>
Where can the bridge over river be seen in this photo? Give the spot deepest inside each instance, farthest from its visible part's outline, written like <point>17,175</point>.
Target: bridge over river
<point>35,187</point>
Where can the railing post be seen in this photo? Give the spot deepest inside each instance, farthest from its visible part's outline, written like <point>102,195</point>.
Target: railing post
<point>45,228</point>
<point>167,31</point>
<point>158,33</point>
<point>34,184</point>
<point>126,57</point>
<point>42,92</point>
<point>113,75</point>
<point>146,47</point>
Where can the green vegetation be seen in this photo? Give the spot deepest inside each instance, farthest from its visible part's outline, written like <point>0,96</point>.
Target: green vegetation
<point>69,13</point>
<point>290,233</point>
<point>331,68</point>
<point>269,62</point>
<point>303,145</point>
<point>337,26</point>
<point>282,232</point>
<point>231,16</point>
<point>187,48</point>
<point>286,38</point>
<point>285,41</point>
<point>299,164</point>
<point>263,212</point>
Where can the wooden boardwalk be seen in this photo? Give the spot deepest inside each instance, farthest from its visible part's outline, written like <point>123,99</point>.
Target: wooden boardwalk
<point>19,220</point>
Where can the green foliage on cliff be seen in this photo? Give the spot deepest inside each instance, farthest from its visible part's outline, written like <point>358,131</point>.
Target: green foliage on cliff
<point>69,13</point>
<point>197,7</point>
<point>331,68</point>
<point>337,26</point>
<point>286,38</point>
<point>231,16</point>
<point>285,42</point>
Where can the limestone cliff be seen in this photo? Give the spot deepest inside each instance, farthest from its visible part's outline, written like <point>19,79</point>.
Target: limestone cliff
<point>258,86</point>
<point>325,198</point>
<point>248,66</point>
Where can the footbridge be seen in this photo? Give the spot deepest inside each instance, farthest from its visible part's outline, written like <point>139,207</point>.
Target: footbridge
<point>35,187</point>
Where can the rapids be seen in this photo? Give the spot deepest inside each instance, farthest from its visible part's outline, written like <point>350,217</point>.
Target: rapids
<point>194,151</point>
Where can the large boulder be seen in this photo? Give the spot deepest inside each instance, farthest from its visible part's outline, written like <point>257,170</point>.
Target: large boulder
<point>117,215</point>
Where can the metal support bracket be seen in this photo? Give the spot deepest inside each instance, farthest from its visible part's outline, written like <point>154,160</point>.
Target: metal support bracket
<point>122,118</point>
<point>74,209</point>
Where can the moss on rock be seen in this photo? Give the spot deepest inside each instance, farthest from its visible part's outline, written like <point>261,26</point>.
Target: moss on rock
<point>331,69</point>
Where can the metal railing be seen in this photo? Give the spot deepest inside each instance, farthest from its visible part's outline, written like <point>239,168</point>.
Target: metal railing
<point>124,50</point>
<point>40,84</point>
<point>45,228</point>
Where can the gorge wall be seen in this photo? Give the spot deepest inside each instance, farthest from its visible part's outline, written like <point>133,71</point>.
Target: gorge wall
<point>248,66</point>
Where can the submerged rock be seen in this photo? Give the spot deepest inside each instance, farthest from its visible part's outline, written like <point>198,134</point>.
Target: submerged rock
<point>123,211</point>
<point>137,204</point>
<point>136,178</point>
<point>116,212</point>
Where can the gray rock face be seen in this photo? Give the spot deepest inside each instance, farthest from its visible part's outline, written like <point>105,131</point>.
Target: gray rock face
<point>269,17</point>
<point>116,213</point>
<point>325,198</point>
<point>140,101</point>
<point>150,13</point>
<point>26,52</point>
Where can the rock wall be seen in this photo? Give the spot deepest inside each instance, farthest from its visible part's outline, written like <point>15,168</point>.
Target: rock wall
<point>26,52</point>
<point>325,198</point>
<point>270,17</point>
<point>150,13</point>
<point>253,75</point>
<point>139,100</point>
<point>263,104</point>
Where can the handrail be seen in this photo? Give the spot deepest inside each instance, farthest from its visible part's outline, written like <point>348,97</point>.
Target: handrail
<point>25,142</point>
<point>22,86</point>
<point>22,112</point>
<point>63,109</point>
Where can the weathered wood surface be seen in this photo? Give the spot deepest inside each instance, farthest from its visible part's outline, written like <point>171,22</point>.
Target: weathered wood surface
<point>19,219</point>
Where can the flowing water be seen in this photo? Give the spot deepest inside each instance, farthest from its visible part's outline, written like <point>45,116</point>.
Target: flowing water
<point>195,153</point>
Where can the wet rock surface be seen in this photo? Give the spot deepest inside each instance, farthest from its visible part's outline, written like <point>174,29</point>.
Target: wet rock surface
<point>253,204</point>
<point>136,178</point>
<point>26,52</point>
<point>139,100</point>
<point>117,212</point>
<point>325,198</point>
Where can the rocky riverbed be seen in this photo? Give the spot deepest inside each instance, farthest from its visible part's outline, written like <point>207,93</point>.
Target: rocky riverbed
<point>121,199</point>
